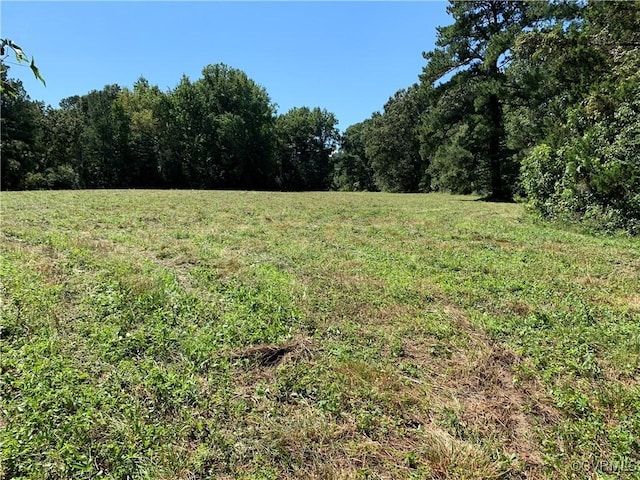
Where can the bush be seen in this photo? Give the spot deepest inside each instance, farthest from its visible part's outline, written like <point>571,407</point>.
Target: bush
<point>62,177</point>
<point>595,176</point>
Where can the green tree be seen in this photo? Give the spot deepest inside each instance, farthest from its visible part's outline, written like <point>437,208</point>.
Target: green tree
<point>478,46</point>
<point>392,144</point>
<point>453,138</point>
<point>351,169</point>
<point>20,127</point>
<point>61,132</point>
<point>591,170</point>
<point>306,140</point>
<point>241,114</point>
<point>104,139</point>
<point>143,107</point>
<point>221,130</point>
<point>183,162</point>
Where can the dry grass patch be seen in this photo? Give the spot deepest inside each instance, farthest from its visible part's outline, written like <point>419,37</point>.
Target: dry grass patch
<point>631,301</point>
<point>297,349</point>
<point>477,395</point>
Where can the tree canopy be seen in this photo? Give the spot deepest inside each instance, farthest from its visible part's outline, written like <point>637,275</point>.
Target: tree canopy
<point>219,131</point>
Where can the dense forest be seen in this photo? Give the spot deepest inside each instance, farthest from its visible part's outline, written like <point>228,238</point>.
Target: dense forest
<point>518,100</point>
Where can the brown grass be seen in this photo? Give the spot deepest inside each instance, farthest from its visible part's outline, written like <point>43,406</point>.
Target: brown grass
<point>478,382</point>
<point>272,355</point>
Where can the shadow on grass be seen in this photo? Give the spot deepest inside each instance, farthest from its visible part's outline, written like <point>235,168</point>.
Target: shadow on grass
<point>487,199</point>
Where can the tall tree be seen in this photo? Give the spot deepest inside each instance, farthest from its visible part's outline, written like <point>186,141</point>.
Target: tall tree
<point>220,130</point>
<point>453,138</point>
<point>183,141</point>
<point>478,44</point>
<point>392,144</point>
<point>351,169</point>
<point>62,152</point>
<point>306,140</point>
<point>586,166</point>
<point>105,138</point>
<point>20,135</point>
<point>142,106</point>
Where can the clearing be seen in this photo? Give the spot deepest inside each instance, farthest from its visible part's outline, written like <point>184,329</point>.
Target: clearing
<point>256,335</point>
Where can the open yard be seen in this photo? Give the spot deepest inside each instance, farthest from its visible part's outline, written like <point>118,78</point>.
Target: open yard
<point>199,334</point>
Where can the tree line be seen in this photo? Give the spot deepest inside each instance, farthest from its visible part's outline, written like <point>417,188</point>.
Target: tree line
<point>532,100</point>
<point>220,131</point>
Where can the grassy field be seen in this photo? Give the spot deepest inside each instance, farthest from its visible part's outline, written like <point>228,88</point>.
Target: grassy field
<point>168,334</point>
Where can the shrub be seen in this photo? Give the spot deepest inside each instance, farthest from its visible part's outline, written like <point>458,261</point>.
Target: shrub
<point>595,176</point>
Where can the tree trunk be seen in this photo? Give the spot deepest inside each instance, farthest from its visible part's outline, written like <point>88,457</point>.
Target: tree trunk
<point>495,149</point>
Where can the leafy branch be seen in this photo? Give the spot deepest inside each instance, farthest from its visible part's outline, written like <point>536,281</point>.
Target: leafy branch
<point>6,46</point>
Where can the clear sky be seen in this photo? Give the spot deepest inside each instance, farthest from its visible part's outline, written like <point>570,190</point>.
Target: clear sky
<point>347,57</point>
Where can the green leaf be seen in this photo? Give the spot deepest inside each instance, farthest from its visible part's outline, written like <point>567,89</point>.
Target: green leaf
<point>36,72</point>
<point>20,56</point>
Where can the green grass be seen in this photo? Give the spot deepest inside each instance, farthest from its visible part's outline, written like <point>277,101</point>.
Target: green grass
<point>175,334</point>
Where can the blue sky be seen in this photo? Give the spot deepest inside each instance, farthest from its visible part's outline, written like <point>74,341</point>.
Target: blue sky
<point>347,57</point>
